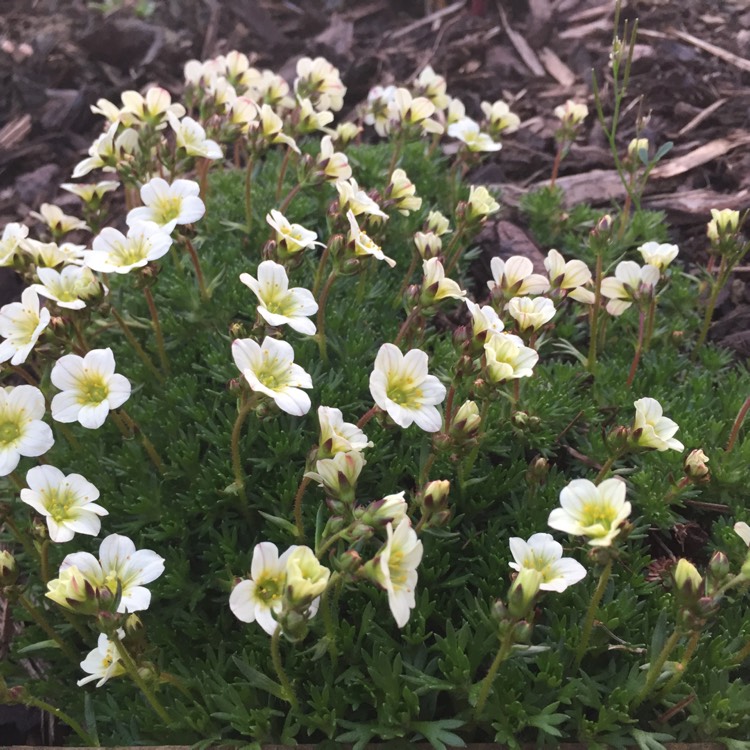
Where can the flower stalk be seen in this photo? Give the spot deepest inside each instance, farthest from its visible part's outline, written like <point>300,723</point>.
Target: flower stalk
<point>503,653</point>
<point>157,329</point>
<point>321,319</point>
<point>588,622</point>
<point>289,694</point>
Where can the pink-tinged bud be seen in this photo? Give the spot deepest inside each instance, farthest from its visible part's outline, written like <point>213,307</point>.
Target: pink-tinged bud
<point>536,474</point>
<point>435,494</point>
<point>8,570</point>
<point>688,581</point>
<point>523,591</point>
<point>350,562</point>
<point>695,466</point>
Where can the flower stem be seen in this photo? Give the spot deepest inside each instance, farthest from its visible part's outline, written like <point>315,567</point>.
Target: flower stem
<point>239,474</point>
<point>591,361</point>
<point>282,174</point>
<point>321,269</point>
<point>655,667</point>
<point>290,197</point>
<point>367,416</point>
<point>197,266</point>
<point>321,320</point>
<point>710,306</point>
<point>147,444</point>
<point>132,670</point>
<point>286,685</point>
<point>502,654</point>
<point>139,350</point>
<point>249,194</point>
<point>157,329</point>
<point>407,278</point>
<point>680,672</point>
<point>449,408</point>
<point>23,373</point>
<point>298,508</point>
<point>650,323</point>
<point>406,325</point>
<point>38,617</point>
<point>330,626</point>
<point>556,165</point>
<point>739,419</point>
<point>638,349</point>
<point>588,623</point>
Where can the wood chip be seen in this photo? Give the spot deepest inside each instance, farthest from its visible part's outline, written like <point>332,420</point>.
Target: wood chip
<point>521,46</point>
<point>581,32</point>
<point>701,155</point>
<point>428,19</point>
<point>14,132</point>
<point>697,202</point>
<point>712,49</point>
<point>700,117</point>
<point>557,68</point>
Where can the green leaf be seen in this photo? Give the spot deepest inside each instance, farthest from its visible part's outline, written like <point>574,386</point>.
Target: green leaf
<point>664,149</point>
<point>39,646</point>
<point>437,734</point>
<point>258,679</point>
<point>650,740</point>
<point>282,523</point>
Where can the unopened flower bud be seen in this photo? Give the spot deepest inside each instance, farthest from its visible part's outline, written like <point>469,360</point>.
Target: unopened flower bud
<point>74,591</point>
<point>338,475</point>
<point>695,465</point>
<point>349,562</point>
<point>523,591</point>
<point>435,494</point>
<point>391,509</point>
<point>133,624</point>
<point>499,611</point>
<point>466,422</point>
<point>718,566</point>
<point>306,578</point>
<point>519,419</point>
<point>8,570</point>
<point>687,579</point>
<point>538,470</point>
<point>638,149</point>
<point>618,439</point>
<point>522,632</point>
<point>437,223</point>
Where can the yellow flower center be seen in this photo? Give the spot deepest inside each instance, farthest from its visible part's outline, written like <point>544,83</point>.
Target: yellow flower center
<point>269,589</point>
<point>402,390</point>
<point>168,208</point>
<point>93,390</point>
<point>10,431</point>
<point>397,569</point>
<point>58,503</point>
<point>598,517</point>
<point>126,255</point>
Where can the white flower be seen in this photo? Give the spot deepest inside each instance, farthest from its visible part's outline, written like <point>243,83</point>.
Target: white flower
<point>320,81</point>
<point>500,118</point>
<point>50,254</point>
<point>90,388</point>
<point>484,321</point>
<point>414,112</point>
<point>337,436</point>
<point>363,245</point>
<point>571,113</point>
<point>56,220</point>
<point>106,151</point>
<point>21,324</point>
<point>743,531</point>
<point>333,164</point>
<point>435,286</point>
<point>400,385</point>
<point>543,554</point>
<point>456,111</point>
<point>103,662</point>
<point>278,304</point>
<point>468,131</point>
<point>13,235</point>
<point>119,563</point>
<point>653,430</point>
<point>113,252</point>
<point>89,192</point>
<point>292,237</point>
<point>630,283</point>
<point>531,313</point>
<point>480,204</point>
<point>433,86</point>
<point>151,108</point>
<point>67,502</point>
<point>308,120</point>
<point>22,432</point>
<point>379,109</point>
<point>515,277</point>
<point>270,369</point>
<point>389,509</point>
<point>353,198</point>
<point>659,255</point>
<point>428,244</point>
<point>398,561</point>
<point>258,597</point>
<point>401,192</point>
<point>191,137</point>
<point>508,358</point>
<point>168,205</point>
<point>596,512</point>
<point>67,288</point>
<point>570,277</point>
<point>338,475</point>
<point>270,125</point>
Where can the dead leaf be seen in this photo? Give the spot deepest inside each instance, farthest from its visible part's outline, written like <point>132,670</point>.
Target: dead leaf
<point>557,68</point>
<point>521,46</point>
<point>701,155</point>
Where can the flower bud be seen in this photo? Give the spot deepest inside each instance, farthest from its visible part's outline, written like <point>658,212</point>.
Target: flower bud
<point>745,569</point>
<point>466,422</point>
<point>435,494</point>
<point>350,562</point>
<point>437,223</point>
<point>537,472</point>
<point>391,509</point>
<point>522,632</point>
<point>428,244</point>
<point>519,419</point>
<point>695,466</point>
<point>8,570</point>
<point>338,475</point>
<point>523,591</point>
<point>687,579</point>
<point>638,149</point>
<point>499,611</point>
<point>306,578</point>
<point>74,591</point>
<point>718,567</point>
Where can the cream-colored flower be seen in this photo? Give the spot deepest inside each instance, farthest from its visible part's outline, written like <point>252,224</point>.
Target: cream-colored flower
<point>485,322</point>
<point>594,511</point>
<point>168,205</point>
<point>68,288</point>
<point>543,554</point>
<point>570,277</point>
<point>401,192</point>
<point>152,108</point>
<point>571,113</point>
<point>258,598</point>
<point>58,222</point>
<point>309,120</point>
<point>723,221</point>
<point>379,109</point>
<point>400,385</point>
<point>338,475</point>
<point>363,245</point>
<point>515,277</point>
<point>121,566</point>
<point>306,578</point>
<point>243,113</point>
<point>428,244</point>
<point>103,663</point>
<point>531,313</point>
<point>432,86</point>
<point>345,133</point>
<point>652,429</point>
<point>269,126</point>
<point>191,137</point>
<point>630,283</point>
<point>279,305</point>
<point>13,235</point>
<point>499,117</point>
<point>107,150</point>
<point>389,509</point>
<point>338,436</point>
<point>470,134</point>
<point>638,147</point>
<point>113,252</point>
<point>435,286</point>
<point>321,82</point>
<point>507,358</point>
<point>398,561</point>
<point>270,369</point>
<point>21,324</point>
<point>438,223</point>
<point>416,113</point>
<point>22,432</point>
<point>353,198</point>
<point>66,502</point>
<point>74,591</point>
<point>333,165</point>
<point>90,388</point>
<point>50,254</point>
<point>91,192</point>
<point>658,254</point>
<point>481,204</point>
<point>292,237</point>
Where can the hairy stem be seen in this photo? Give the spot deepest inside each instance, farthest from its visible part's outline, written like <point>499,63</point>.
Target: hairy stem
<point>197,266</point>
<point>132,670</point>
<point>298,508</point>
<point>739,419</point>
<point>502,654</point>
<point>588,622</point>
<point>655,667</point>
<point>321,319</point>
<point>157,329</point>
<point>638,349</point>
<point>137,348</point>
<point>286,684</point>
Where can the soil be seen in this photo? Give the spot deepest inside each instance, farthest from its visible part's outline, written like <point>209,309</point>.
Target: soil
<point>691,76</point>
